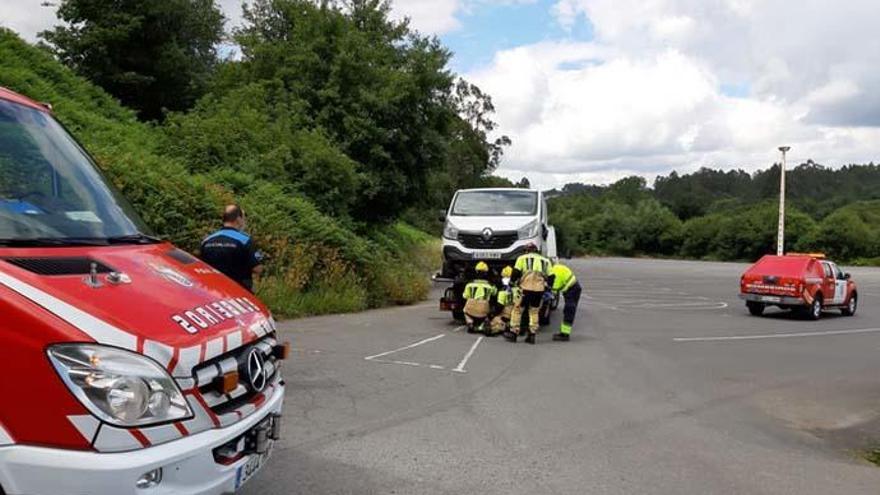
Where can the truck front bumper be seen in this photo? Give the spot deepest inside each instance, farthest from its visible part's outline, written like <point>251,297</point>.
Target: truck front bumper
<point>773,300</point>
<point>188,465</point>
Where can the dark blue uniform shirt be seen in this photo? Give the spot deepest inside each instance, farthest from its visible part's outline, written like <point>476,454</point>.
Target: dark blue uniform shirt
<point>233,253</point>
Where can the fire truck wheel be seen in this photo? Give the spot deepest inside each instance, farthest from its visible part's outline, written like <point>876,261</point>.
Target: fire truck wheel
<point>755,308</point>
<point>815,310</point>
<point>851,305</point>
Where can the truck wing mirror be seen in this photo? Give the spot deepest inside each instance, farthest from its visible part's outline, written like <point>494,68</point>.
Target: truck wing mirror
<point>442,216</point>
<point>847,276</point>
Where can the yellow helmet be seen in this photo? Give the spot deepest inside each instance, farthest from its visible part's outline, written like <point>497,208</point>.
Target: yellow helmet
<point>507,272</point>
<point>482,267</point>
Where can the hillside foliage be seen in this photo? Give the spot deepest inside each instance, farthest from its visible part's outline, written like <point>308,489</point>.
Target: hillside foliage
<point>725,215</point>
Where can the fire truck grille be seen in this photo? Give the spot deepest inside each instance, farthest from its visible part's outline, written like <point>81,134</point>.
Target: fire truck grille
<point>498,240</point>
<point>208,372</point>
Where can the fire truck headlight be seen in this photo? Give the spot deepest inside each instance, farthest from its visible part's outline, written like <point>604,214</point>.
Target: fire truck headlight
<point>118,386</point>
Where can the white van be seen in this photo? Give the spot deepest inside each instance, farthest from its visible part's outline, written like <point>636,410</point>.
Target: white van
<point>494,225</point>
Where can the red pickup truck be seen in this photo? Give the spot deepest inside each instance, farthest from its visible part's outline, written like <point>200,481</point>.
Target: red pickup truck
<point>807,283</point>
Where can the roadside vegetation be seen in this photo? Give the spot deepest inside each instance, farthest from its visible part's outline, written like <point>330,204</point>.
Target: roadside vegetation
<point>336,129</point>
<point>718,215</point>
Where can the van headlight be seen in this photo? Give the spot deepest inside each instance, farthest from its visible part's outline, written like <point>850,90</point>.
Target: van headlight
<point>530,231</point>
<point>118,386</point>
<point>450,232</point>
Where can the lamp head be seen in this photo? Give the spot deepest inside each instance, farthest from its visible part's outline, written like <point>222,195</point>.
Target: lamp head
<point>785,149</point>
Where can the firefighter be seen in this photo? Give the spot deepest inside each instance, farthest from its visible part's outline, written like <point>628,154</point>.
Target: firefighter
<point>566,284</point>
<point>507,298</point>
<point>531,271</point>
<point>478,295</point>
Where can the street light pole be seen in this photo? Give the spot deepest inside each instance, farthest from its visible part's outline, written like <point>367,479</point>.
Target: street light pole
<point>780,239</point>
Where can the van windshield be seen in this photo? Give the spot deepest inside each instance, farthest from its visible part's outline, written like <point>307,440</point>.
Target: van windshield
<point>496,203</point>
<point>50,190</point>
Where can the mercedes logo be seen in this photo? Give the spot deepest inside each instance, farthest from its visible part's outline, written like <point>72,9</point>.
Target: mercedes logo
<point>256,370</point>
<point>487,234</point>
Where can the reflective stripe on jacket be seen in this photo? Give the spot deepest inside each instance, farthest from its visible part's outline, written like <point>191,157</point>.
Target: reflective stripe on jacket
<point>480,290</point>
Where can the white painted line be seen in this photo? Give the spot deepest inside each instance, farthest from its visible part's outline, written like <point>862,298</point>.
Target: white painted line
<point>410,346</point>
<point>460,367</point>
<point>776,335</point>
<point>436,367</point>
<point>686,305</point>
<point>458,329</point>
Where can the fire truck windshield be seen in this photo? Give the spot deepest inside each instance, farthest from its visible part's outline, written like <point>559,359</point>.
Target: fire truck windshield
<point>51,193</point>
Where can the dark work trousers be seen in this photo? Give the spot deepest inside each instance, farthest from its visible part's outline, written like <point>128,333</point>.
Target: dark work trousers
<point>572,297</point>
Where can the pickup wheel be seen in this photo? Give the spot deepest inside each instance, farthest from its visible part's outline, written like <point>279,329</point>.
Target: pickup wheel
<point>755,308</point>
<point>814,311</point>
<point>851,305</point>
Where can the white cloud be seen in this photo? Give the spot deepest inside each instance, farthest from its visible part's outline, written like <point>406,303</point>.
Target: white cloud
<point>648,95</point>
<point>429,16</point>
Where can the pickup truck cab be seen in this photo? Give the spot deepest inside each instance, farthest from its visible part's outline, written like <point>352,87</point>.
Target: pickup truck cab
<point>132,367</point>
<point>804,282</point>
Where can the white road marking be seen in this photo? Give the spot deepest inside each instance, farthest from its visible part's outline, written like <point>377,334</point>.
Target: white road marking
<point>776,335</point>
<point>686,305</point>
<point>458,329</point>
<point>410,346</point>
<point>436,367</point>
<point>460,367</point>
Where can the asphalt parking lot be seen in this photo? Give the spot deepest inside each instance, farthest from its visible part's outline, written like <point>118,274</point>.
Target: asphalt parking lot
<point>668,387</point>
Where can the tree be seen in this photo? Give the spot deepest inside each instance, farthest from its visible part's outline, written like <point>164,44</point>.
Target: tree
<point>376,90</point>
<point>151,55</point>
<point>524,183</point>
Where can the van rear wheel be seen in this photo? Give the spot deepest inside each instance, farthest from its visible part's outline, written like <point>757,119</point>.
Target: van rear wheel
<point>755,308</point>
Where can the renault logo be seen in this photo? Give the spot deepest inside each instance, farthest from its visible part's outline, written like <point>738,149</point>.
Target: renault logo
<point>256,370</point>
<point>487,234</point>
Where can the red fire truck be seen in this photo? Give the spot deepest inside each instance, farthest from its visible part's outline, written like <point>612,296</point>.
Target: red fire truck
<point>807,283</point>
<point>131,366</point>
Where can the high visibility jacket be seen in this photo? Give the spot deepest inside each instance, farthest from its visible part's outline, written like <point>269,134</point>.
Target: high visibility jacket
<point>563,278</point>
<point>535,269</point>
<point>509,296</point>
<point>479,290</point>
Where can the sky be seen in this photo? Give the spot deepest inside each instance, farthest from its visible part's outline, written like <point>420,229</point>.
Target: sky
<point>596,90</point>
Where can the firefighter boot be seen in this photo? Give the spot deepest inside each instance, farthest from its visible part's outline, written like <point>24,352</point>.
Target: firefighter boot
<point>510,336</point>
<point>564,334</point>
<point>530,338</point>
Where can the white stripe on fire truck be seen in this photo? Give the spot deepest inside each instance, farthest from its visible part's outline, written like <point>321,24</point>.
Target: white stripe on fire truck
<point>86,424</point>
<point>97,329</point>
<point>187,359</point>
<point>112,439</point>
<point>5,437</point>
<point>161,434</point>
<point>214,348</point>
<point>233,340</point>
<point>159,351</point>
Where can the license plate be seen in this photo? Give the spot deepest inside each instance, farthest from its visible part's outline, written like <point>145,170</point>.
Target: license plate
<point>487,255</point>
<point>771,299</point>
<point>251,467</point>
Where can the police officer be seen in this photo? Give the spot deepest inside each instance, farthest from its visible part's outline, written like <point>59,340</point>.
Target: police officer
<point>478,295</point>
<point>566,284</point>
<point>532,271</point>
<point>231,251</point>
